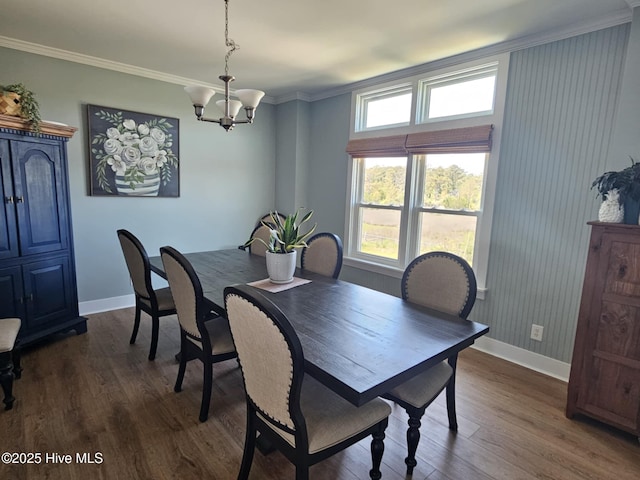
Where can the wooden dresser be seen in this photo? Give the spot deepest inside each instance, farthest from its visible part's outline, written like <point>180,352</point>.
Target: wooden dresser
<point>605,371</point>
<point>37,267</point>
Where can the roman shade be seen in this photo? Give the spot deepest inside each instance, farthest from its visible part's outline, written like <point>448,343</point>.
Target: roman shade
<point>454,140</point>
<point>377,146</point>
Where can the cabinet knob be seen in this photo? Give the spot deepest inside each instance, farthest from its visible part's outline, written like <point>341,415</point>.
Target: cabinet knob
<point>9,199</point>
<point>20,199</point>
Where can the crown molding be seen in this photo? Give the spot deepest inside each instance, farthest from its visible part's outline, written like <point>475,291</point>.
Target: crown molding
<point>107,64</point>
<point>292,96</point>
<point>496,49</point>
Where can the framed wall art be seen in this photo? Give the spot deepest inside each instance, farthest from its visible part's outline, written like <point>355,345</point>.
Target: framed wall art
<point>133,154</point>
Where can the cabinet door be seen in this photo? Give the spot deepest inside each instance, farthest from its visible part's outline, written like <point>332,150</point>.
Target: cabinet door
<point>39,190</point>
<point>47,288</point>
<point>8,234</point>
<point>11,293</point>
<point>610,387</point>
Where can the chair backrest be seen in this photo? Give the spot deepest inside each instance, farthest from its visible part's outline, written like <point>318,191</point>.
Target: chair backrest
<point>137,263</point>
<point>266,218</point>
<point>270,357</point>
<point>258,248</point>
<point>186,291</point>
<point>442,281</point>
<point>323,254</point>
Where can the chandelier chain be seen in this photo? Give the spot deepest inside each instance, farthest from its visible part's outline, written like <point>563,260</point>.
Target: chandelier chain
<point>233,46</point>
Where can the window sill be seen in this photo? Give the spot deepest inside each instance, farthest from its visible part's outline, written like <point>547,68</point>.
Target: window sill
<point>392,272</point>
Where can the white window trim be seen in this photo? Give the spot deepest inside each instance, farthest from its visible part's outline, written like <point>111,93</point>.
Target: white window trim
<point>483,231</point>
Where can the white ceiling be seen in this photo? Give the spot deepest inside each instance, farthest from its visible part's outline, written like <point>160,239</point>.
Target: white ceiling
<point>303,47</point>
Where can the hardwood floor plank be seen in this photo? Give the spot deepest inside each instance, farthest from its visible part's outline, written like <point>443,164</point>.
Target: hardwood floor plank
<point>95,393</point>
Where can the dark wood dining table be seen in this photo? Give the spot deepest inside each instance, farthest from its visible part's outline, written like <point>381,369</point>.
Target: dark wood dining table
<point>359,342</point>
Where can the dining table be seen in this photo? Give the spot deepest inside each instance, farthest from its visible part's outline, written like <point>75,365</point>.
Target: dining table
<point>359,342</point>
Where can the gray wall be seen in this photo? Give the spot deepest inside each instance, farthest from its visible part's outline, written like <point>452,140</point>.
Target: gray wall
<point>226,179</point>
<point>558,124</point>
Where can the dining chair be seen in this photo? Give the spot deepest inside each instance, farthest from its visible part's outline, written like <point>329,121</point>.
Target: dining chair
<point>203,334</point>
<point>257,249</point>
<point>154,302</point>
<point>445,282</point>
<point>263,232</point>
<point>323,254</point>
<point>266,218</point>
<point>298,415</point>
<point>9,358</point>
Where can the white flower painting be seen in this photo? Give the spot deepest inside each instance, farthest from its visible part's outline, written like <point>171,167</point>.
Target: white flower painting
<point>133,154</point>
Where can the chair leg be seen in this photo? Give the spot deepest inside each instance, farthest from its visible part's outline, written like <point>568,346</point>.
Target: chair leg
<point>451,396</point>
<point>413,438</point>
<point>377,449</point>
<point>302,472</point>
<point>17,356</point>
<point>155,331</point>
<point>136,324</point>
<point>183,363</point>
<point>249,446</point>
<point>206,389</point>
<point>6,379</point>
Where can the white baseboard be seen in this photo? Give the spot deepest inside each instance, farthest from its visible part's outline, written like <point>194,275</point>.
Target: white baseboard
<point>534,361</point>
<point>106,304</point>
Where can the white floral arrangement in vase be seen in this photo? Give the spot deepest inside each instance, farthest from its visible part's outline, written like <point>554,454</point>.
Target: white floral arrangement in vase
<point>139,154</point>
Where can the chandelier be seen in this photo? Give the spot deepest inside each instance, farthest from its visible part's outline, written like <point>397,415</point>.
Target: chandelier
<point>247,98</point>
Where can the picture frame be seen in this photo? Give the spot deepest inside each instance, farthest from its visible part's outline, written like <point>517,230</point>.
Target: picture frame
<point>133,154</point>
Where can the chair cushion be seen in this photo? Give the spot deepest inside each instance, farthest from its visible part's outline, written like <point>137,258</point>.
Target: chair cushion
<point>9,328</point>
<point>165,300</point>
<point>330,418</point>
<point>220,335</point>
<point>422,389</point>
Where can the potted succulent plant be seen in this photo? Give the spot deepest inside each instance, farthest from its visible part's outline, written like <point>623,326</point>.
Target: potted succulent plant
<point>621,187</point>
<point>25,99</point>
<point>286,237</point>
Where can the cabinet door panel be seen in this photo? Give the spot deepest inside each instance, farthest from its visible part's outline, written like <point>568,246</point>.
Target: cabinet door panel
<point>47,288</point>
<point>8,234</point>
<point>11,293</point>
<point>38,187</point>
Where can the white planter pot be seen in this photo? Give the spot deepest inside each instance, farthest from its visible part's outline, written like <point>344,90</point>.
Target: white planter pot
<point>281,266</point>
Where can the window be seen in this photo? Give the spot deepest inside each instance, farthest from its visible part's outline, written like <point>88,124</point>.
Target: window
<point>462,94</point>
<point>427,184</point>
<point>385,107</point>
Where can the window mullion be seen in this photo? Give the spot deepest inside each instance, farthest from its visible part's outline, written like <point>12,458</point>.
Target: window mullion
<point>413,202</point>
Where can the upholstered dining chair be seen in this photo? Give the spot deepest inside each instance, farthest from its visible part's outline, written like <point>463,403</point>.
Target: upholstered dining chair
<point>258,248</point>
<point>9,358</point>
<point>203,334</point>
<point>445,282</point>
<point>323,254</point>
<point>266,218</point>
<point>298,415</point>
<point>154,302</point>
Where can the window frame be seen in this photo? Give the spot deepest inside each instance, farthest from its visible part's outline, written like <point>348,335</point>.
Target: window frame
<point>390,91</point>
<point>409,242</point>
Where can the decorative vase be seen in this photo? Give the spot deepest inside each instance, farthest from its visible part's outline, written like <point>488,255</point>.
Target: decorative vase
<point>611,211</point>
<point>149,186</point>
<point>281,266</point>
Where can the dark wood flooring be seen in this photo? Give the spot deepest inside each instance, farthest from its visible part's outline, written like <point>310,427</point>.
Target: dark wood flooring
<point>95,394</point>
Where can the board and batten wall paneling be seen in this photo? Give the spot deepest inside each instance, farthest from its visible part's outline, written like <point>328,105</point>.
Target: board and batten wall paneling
<point>559,120</point>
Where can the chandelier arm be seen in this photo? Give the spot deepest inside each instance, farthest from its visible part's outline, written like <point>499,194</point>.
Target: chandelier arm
<point>212,120</point>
